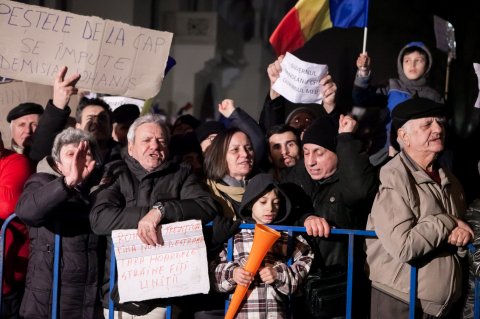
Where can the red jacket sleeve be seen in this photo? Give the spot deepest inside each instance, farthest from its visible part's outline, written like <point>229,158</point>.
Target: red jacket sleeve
<point>14,172</point>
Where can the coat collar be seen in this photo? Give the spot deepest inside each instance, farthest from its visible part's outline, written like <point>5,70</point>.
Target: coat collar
<point>139,171</point>
<point>419,174</point>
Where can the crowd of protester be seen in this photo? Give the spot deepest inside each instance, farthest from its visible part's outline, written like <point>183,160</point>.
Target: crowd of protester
<point>296,165</point>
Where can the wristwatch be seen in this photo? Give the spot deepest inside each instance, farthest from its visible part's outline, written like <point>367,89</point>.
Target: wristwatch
<point>160,209</point>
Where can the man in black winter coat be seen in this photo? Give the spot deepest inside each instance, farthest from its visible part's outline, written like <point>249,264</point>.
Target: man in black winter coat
<point>146,190</point>
<point>341,184</point>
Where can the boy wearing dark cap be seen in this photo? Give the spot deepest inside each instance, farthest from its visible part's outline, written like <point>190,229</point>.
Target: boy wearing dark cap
<point>207,131</point>
<point>122,117</point>
<point>23,121</point>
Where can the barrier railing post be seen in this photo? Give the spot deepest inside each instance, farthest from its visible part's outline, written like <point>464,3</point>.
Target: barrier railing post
<point>56,275</point>
<point>476,305</point>
<point>413,291</point>
<point>2,250</point>
<point>350,275</point>
<point>291,244</point>
<point>113,266</point>
<point>229,258</point>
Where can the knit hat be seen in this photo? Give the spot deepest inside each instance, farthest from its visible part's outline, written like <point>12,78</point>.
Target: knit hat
<point>24,109</point>
<point>126,113</point>
<point>208,128</point>
<point>183,144</point>
<point>415,108</point>
<point>322,132</point>
<point>302,109</point>
<point>188,119</point>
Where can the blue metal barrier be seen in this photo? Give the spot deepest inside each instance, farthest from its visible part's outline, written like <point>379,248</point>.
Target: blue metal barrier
<point>290,229</point>
<point>2,250</point>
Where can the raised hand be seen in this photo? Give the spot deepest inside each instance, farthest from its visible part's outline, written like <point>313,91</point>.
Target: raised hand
<point>329,89</point>
<point>346,124</point>
<point>273,71</point>
<point>226,108</point>
<point>363,64</point>
<point>81,166</point>
<point>63,88</point>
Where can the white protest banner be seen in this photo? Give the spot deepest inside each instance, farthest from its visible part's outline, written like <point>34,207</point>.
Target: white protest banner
<point>111,57</point>
<point>299,81</point>
<point>116,101</point>
<point>178,267</point>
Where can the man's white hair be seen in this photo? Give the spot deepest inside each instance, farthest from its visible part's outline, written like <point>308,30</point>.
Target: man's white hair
<point>407,128</point>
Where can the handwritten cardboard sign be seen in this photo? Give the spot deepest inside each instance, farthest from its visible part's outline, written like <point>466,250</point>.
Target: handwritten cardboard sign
<point>178,267</point>
<point>111,57</point>
<point>299,81</point>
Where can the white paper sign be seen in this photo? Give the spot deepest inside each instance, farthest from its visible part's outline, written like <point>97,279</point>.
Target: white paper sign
<point>299,81</point>
<point>178,267</point>
<point>476,66</point>
<point>116,101</point>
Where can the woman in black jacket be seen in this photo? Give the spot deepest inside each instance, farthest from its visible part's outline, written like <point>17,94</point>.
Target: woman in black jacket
<point>55,201</point>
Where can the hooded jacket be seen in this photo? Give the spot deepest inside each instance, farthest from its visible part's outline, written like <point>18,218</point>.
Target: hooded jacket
<point>264,300</point>
<point>48,207</point>
<point>401,88</point>
<point>396,91</point>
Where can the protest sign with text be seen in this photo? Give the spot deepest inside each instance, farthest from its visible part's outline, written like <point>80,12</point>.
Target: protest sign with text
<point>299,81</point>
<point>177,267</point>
<point>111,57</point>
<point>116,101</point>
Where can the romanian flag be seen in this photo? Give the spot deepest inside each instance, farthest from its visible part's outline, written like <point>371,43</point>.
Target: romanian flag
<point>309,17</point>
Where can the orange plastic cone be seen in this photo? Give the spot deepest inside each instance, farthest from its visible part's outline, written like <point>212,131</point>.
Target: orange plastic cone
<point>264,237</point>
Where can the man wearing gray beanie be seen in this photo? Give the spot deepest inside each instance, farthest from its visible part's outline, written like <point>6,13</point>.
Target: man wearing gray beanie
<point>341,183</point>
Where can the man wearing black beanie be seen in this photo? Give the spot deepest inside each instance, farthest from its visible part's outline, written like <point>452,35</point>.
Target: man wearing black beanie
<point>341,183</point>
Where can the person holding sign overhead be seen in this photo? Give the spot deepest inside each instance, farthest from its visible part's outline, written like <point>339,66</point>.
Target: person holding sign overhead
<point>278,110</point>
<point>143,191</point>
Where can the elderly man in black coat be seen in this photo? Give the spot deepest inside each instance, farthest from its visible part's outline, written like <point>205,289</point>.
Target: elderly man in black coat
<point>338,178</point>
<point>145,190</point>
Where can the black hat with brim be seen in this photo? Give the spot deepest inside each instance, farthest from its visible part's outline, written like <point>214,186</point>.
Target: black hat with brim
<point>416,108</point>
<point>24,109</point>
